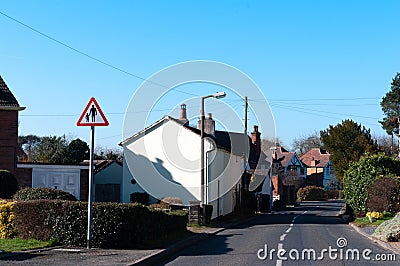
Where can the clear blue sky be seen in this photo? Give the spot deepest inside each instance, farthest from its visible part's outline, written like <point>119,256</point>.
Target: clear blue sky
<point>317,62</point>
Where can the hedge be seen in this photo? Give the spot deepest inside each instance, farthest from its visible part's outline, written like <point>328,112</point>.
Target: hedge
<point>311,193</point>
<point>384,195</point>
<point>115,225</point>
<point>41,193</point>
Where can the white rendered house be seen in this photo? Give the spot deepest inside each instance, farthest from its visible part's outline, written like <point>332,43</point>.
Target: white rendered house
<point>164,161</point>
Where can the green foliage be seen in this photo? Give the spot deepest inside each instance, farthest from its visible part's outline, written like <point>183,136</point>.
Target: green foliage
<point>115,225</point>
<point>347,142</point>
<point>18,244</point>
<point>53,149</point>
<point>391,107</point>
<point>384,195</point>
<point>77,151</point>
<point>43,193</point>
<point>8,184</point>
<point>361,174</point>
<point>312,193</point>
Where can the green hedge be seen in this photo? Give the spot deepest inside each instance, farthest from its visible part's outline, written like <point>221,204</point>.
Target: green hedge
<point>311,193</point>
<point>41,193</point>
<point>115,225</point>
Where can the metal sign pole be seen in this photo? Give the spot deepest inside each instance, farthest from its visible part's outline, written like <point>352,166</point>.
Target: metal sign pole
<point>91,168</point>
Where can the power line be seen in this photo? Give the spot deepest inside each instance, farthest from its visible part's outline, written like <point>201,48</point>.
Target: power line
<point>91,57</point>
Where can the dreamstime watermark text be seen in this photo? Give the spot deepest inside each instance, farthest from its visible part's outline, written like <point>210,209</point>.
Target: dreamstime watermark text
<point>340,252</point>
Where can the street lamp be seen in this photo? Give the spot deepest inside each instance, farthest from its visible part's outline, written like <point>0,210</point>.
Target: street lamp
<point>217,95</point>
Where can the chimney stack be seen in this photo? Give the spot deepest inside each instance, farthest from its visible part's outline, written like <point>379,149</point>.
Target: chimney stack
<point>209,125</point>
<point>256,140</point>
<point>183,115</point>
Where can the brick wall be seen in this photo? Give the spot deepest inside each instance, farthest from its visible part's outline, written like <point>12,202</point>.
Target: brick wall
<point>24,177</point>
<point>8,140</point>
<point>84,184</point>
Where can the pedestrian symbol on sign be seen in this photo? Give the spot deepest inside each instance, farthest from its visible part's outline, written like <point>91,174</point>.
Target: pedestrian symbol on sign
<point>92,115</point>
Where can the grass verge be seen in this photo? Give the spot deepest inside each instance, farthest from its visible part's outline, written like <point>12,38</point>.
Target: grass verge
<point>364,221</point>
<point>18,244</point>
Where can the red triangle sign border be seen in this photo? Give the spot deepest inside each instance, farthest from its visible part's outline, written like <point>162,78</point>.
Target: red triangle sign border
<point>82,117</point>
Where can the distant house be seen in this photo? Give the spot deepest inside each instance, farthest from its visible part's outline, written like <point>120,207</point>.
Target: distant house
<point>9,109</point>
<point>288,174</point>
<point>153,152</point>
<point>319,169</point>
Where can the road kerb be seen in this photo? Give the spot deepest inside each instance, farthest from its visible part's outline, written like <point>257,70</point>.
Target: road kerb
<point>385,245</point>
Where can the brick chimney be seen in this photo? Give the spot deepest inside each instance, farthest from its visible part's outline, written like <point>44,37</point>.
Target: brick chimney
<point>183,115</point>
<point>209,125</point>
<point>256,140</point>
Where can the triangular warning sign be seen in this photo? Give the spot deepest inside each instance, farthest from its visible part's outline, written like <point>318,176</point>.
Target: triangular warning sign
<point>92,115</point>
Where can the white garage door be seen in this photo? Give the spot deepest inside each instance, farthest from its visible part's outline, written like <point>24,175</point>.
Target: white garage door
<point>67,180</point>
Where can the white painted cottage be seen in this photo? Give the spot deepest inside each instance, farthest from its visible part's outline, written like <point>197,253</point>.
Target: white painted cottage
<point>164,160</point>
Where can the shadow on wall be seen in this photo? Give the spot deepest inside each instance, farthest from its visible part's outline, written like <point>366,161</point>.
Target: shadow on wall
<point>155,179</point>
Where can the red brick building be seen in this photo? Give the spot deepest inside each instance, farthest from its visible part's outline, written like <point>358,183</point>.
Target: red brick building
<point>9,109</point>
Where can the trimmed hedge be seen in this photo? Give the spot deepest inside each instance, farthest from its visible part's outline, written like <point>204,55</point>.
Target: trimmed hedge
<point>8,184</point>
<point>115,225</point>
<point>41,193</point>
<point>311,193</point>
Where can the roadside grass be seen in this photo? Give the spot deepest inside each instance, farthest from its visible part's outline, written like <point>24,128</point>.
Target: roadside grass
<point>18,244</point>
<point>364,221</point>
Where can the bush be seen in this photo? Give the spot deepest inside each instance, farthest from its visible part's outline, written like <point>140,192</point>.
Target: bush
<point>360,176</point>
<point>384,195</point>
<point>8,184</point>
<point>43,194</point>
<point>139,197</point>
<point>311,193</point>
<point>115,225</point>
<point>333,194</point>
<point>6,219</point>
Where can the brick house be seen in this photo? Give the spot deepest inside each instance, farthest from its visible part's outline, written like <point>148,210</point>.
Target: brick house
<point>9,108</point>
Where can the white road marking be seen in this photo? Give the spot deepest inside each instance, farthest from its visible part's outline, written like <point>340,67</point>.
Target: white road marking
<point>279,263</point>
<point>287,231</point>
<point>282,237</point>
<point>291,225</point>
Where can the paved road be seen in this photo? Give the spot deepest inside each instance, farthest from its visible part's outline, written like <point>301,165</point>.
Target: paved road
<point>310,227</point>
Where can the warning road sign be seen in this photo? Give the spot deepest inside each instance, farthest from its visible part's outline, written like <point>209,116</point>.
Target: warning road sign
<point>92,115</point>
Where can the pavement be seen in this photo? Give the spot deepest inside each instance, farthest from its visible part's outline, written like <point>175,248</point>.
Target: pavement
<point>368,231</point>
<point>84,256</point>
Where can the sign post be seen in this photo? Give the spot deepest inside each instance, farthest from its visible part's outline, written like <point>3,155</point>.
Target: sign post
<point>91,116</point>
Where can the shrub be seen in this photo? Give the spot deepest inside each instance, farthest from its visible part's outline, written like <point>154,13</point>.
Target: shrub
<point>311,193</point>
<point>6,219</point>
<point>115,225</point>
<point>333,194</point>
<point>384,195</point>
<point>361,174</point>
<point>139,197</point>
<point>42,194</point>
<point>8,184</point>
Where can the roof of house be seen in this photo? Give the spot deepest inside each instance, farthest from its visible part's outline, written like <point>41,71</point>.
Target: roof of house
<point>7,99</point>
<point>286,155</point>
<point>100,165</point>
<point>320,156</point>
<point>223,139</point>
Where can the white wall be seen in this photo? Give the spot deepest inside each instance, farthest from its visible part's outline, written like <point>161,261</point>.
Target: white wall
<point>172,152</point>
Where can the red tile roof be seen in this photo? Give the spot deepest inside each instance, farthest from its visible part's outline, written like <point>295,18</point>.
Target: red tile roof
<point>320,156</point>
<point>282,152</point>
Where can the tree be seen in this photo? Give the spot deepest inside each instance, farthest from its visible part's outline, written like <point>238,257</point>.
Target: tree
<point>102,153</point>
<point>28,144</point>
<point>347,142</point>
<point>391,108</point>
<point>78,150</point>
<point>386,144</point>
<point>52,149</point>
<point>305,143</point>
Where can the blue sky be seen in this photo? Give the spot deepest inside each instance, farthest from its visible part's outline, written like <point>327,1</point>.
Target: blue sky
<point>317,62</point>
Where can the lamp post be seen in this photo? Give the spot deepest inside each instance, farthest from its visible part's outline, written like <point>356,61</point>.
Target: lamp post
<point>271,200</point>
<point>217,95</point>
